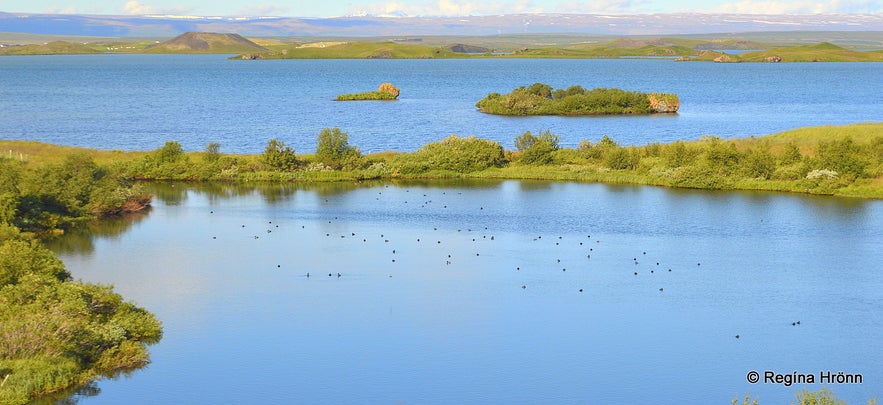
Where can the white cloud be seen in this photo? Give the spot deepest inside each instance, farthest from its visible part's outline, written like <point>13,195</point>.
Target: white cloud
<point>603,7</point>
<point>264,10</point>
<point>135,7</point>
<point>446,8</point>
<point>800,7</point>
<point>477,7</point>
<point>59,10</point>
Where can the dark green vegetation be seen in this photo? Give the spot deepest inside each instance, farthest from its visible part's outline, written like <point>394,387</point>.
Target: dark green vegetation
<point>828,160</point>
<point>55,332</point>
<point>386,92</point>
<point>823,396</point>
<point>541,99</point>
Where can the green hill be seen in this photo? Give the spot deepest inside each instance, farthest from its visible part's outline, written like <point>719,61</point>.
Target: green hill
<point>822,52</point>
<point>206,42</point>
<point>51,48</point>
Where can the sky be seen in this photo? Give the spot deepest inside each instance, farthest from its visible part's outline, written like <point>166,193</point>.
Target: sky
<point>337,8</point>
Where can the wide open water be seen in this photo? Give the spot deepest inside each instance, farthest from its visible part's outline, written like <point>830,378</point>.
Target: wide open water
<point>137,102</point>
<point>502,319</point>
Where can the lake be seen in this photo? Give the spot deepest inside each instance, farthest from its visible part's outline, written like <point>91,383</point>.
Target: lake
<point>491,292</point>
<point>138,102</point>
<point>465,292</point>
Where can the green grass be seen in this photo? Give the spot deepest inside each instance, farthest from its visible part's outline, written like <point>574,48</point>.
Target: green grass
<point>864,132</point>
<point>40,154</point>
<point>368,95</point>
<point>822,52</point>
<point>51,48</point>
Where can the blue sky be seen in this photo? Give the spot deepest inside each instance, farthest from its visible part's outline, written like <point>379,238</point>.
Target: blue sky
<point>334,8</point>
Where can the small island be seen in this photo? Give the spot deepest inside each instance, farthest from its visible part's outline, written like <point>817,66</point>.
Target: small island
<point>386,92</point>
<point>542,99</point>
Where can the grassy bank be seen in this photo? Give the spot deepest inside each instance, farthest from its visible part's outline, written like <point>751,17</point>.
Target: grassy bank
<point>827,160</point>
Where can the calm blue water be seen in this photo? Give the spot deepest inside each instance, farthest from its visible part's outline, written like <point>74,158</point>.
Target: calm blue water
<point>243,323</point>
<point>137,102</point>
<point>429,307</point>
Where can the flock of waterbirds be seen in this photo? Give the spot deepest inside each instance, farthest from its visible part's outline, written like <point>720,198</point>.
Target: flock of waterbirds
<point>474,235</point>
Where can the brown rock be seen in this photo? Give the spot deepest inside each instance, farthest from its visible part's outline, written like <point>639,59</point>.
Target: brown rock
<point>389,88</point>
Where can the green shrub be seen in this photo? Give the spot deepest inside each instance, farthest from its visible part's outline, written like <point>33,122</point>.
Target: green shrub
<point>843,156</point>
<point>619,158</point>
<point>19,258</point>
<point>278,156</point>
<point>791,154</point>
<point>212,152</point>
<point>536,149</point>
<point>453,153</point>
<point>759,164</point>
<point>56,333</point>
<point>168,162</point>
<point>678,154</point>
<point>333,149</point>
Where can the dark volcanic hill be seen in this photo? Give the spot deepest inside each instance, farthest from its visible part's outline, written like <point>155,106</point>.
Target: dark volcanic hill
<point>206,42</point>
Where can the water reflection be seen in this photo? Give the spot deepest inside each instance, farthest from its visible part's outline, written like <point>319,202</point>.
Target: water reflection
<point>177,193</point>
<point>80,393</point>
<point>80,239</point>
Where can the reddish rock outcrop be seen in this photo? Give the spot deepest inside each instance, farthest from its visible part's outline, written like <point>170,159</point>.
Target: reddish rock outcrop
<point>389,88</point>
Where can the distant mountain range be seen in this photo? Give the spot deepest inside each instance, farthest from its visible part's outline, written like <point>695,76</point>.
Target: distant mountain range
<point>643,24</point>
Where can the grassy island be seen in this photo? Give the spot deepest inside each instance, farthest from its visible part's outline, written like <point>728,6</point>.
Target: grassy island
<point>56,332</point>
<point>541,99</point>
<point>385,92</point>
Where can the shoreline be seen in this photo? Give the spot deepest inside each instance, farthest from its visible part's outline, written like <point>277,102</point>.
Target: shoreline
<point>758,164</point>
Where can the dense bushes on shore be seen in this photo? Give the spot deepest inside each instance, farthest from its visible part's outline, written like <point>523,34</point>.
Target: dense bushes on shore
<point>54,196</point>
<point>823,160</point>
<point>55,332</point>
<point>845,160</point>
